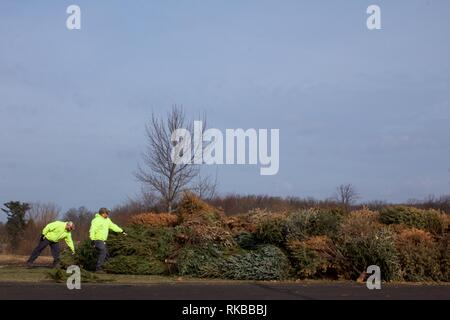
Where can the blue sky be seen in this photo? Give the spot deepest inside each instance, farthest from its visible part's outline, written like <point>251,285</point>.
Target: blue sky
<point>371,108</point>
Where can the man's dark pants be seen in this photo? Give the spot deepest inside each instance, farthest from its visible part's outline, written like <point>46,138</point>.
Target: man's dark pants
<point>43,243</point>
<point>103,255</point>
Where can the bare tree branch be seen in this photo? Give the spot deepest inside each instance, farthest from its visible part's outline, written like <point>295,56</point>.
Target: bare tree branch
<point>346,195</point>
<point>205,187</point>
<point>158,172</point>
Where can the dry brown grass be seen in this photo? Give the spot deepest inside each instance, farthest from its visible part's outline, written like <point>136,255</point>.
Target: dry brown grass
<point>240,223</point>
<point>251,220</point>
<point>313,256</point>
<point>419,255</point>
<point>154,220</point>
<point>193,209</point>
<point>360,223</point>
<point>10,259</point>
<point>198,233</point>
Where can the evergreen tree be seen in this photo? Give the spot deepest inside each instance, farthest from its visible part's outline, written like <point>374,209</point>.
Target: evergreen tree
<point>15,226</point>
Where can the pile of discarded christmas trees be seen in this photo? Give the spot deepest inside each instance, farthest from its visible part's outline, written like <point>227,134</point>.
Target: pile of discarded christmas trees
<point>200,241</point>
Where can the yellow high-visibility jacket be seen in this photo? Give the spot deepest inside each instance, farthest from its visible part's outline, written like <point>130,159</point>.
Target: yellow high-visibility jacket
<point>56,231</point>
<point>100,228</point>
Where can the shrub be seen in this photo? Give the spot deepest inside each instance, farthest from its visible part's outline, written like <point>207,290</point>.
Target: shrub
<point>144,244</point>
<point>418,255</point>
<point>192,208</point>
<point>314,222</point>
<point>85,256</point>
<point>359,251</point>
<point>199,261</point>
<point>246,240</point>
<point>401,215</point>
<point>447,222</point>
<point>154,220</point>
<point>196,233</point>
<point>141,241</point>
<point>313,257</point>
<point>360,223</point>
<point>266,263</point>
<point>271,229</point>
<point>250,221</point>
<point>135,265</point>
<point>257,215</point>
<point>240,223</point>
<point>444,248</point>
<point>430,220</point>
<point>141,252</point>
<point>165,244</point>
<point>435,222</point>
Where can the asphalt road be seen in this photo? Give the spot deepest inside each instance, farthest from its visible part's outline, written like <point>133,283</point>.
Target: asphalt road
<point>202,291</point>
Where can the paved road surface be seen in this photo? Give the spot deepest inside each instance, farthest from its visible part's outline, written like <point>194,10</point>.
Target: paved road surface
<point>202,291</point>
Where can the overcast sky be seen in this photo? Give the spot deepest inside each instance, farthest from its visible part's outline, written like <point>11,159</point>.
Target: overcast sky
<point>371,108</point>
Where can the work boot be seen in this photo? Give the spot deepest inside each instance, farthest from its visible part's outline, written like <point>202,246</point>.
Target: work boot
<point>29,265</point>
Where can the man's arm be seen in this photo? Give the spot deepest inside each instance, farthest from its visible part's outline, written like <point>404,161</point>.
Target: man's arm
<point>114,227</point>
<point>70,242</point>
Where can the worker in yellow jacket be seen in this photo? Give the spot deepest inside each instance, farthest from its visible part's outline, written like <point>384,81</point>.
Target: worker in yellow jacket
<point>98,233</point>
<point>51,235</point>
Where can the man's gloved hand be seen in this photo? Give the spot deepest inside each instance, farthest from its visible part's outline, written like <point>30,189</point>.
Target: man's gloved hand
<point>124,233</point>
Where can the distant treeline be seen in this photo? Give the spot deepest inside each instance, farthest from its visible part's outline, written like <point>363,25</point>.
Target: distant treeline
<point>235,204</point>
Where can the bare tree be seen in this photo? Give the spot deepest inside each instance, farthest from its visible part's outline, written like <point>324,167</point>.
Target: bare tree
<point>346,195</point>
<point>159,173</point>
<point>205,187</point>
<point>43,213</point>
<point>81,217</point>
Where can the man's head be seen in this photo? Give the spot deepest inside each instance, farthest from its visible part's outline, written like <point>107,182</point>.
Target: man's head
<point>70,226</point>
<point>104,212</point>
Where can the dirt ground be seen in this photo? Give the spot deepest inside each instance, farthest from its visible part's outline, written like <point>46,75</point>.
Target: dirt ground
<point>10,260</point>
